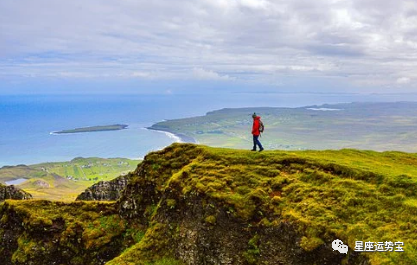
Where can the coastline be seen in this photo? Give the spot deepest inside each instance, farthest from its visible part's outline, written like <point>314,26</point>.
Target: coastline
<point>178,137</point>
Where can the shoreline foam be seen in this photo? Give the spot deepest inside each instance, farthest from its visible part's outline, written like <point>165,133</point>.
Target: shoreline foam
<point>178,137</point>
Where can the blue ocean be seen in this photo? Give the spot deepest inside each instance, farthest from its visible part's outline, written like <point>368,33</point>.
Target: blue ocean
<point>26,122</point>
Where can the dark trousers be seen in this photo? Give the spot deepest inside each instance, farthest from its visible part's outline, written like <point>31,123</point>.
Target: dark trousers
<point>256,142</point>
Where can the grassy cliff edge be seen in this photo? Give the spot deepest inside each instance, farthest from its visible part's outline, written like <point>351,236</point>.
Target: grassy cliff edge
<point>200,205</point>
<point>323,195</point>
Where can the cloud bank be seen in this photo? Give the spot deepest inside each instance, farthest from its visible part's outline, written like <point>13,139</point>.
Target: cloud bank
<point>367,44</point>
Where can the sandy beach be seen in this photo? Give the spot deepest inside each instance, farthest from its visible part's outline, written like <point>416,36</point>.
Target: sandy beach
<point>178,137</point>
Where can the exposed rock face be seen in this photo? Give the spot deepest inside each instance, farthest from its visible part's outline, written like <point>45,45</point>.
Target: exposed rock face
<point>229,240</point>
<point>105,190</point>
<point>11,192</point>
<point>42,184</point>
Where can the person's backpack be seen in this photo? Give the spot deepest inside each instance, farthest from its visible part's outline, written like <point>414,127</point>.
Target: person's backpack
<point>261,126</point>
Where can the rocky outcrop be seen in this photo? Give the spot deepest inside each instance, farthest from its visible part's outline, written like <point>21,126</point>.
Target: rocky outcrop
<point>105,190</point>
<point>12,192</point>
<point>41,184</point>
<point>148,181</point>
<point>37,232</point>
<point>200,226</point>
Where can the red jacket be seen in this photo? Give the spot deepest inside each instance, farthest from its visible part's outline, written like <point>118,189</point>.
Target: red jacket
<point>256,126</point>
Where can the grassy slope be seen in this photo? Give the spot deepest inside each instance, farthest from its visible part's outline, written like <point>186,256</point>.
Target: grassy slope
<point>348,194</point>
<point>65,180</point>
<point>373,126</point>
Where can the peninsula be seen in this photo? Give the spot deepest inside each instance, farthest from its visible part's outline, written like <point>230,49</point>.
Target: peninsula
<point>113,127</point>
<point>381,126</point>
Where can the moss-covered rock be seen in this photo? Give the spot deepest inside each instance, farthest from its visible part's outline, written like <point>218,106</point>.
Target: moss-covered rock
<point>105,190</point>
<point>12,192</point>
<point>44,232</point>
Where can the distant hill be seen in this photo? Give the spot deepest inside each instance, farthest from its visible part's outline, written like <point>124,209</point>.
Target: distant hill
<point>191,204</point>
<point>366,126</point>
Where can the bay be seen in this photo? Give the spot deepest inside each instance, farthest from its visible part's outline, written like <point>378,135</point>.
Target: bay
<point>26,121</point>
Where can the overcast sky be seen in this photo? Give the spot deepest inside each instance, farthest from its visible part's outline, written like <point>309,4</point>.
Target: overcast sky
<point>172,46</point>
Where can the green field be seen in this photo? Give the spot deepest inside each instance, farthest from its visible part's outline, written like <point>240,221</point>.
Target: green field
<point>366,126</point>
<point>65,180</point>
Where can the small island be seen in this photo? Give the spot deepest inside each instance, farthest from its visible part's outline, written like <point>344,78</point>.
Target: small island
<point>102,128</point>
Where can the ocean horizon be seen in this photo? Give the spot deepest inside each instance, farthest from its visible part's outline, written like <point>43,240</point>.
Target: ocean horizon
<point>27,121</point>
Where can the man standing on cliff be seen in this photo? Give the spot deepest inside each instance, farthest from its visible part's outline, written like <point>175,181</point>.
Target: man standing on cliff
<point>257,128</point>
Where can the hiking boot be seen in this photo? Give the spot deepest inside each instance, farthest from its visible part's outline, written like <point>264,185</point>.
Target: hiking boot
<point>253,150</point>
<point>260,150</point>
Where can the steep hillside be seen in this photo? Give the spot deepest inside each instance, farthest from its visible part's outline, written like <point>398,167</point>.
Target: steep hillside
<point>190,204</point>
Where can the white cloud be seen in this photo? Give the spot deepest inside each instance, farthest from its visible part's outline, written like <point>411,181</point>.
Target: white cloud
<point>202,74</point>
<point>140,74</point>
<point>255,4</point>
<point>403,80</point>
<point>253,40</point>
